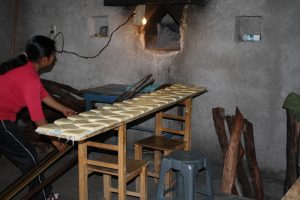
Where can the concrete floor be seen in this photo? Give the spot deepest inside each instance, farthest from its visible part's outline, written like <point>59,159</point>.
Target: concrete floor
<point>67,185</point>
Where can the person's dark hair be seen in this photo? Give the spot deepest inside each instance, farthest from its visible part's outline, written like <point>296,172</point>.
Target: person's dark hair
<point>37,47</point>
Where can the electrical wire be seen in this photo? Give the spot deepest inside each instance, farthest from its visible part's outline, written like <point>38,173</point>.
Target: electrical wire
<point>87,57</point>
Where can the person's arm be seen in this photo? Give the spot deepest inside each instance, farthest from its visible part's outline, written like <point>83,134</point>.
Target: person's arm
<point>51,102</point>
<point>60,146</point>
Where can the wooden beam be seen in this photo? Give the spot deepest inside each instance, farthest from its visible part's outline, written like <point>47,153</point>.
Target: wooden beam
<point>24,180</point>
<point>138,2</point>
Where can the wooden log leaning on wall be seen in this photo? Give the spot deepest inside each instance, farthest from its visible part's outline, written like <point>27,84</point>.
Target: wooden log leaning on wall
<point>219,117</point>
<point>293,131</point>
<point>251,160</point>
<point>232,154</point>
<point>241,174</point>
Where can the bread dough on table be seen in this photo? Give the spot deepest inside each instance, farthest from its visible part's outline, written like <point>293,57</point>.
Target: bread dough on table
<point>92,126</point>
<point>64,127</point>
<point>167,93</point>
<point>132,106</point>
<point>62,121</point>
<point>100,111</point>
<point>83,121</point>
<point>116,116</point>
<point>75,134</point>
<point>106,122</point>
<point>148,104</point>
<point>49,129</point>
<point>93,118</point>
<point>113,108</point>
<point>130,113</point>
<point>76,117</point>
<point>88,113</point>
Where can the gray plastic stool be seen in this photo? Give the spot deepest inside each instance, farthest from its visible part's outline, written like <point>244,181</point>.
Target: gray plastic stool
<point>187,164</point>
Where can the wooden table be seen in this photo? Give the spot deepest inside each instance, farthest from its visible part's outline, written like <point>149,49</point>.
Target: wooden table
<point>83,143</point>
<point>294,192</point>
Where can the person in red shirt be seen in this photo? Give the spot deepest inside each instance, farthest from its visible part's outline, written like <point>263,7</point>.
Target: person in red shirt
<point>20,87</point>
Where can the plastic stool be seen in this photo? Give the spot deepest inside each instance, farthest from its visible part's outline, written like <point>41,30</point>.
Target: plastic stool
<point>187,164</point>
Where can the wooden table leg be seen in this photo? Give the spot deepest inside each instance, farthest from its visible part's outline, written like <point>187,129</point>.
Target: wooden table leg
<point>82,170</point>
<point>187,125</point>
<point>121,162</point>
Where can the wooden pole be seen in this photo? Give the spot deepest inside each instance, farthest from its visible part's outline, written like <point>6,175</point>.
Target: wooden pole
<point>291,151</point>
<point>241,174</point>
<point>82,170</point>
<point>14,27</point>
<point>231,158</point>
<point>252,162</point>
<point>218,117</point>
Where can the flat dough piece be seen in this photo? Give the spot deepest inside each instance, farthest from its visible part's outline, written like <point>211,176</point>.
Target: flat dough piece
<point>129,101</point>
<point>187,87</point>
<point>48,129</point>
<point>138,108</point>
<point>106,122</point>
<point>118,117</point>
<point>152,101</point>
<point>132,106</point>
<point>130,113</point>
<point>151,105</point>
<point>62,121</point>
<point>100,111</point>
<point>93,118</point>
<point>92,126</point>
<point>77,122</point>
<point>113,108</point>
<point>182,90</point>
<point>160,100</point>
<point>169,98</point>
<point>76,134</point>
<point>164,92</point>
<point>64,127</point>
<point>88,113</point>
<point>77,117</point>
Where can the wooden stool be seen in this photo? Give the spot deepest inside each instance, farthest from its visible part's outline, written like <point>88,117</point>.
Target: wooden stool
<point>160,144</point>
<point>125,169</point>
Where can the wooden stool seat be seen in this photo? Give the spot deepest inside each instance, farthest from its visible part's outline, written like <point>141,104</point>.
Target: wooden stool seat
<point>161,143</point>
<point>133,167</point>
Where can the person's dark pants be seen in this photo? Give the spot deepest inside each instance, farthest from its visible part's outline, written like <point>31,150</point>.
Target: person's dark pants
<point>22,153</point>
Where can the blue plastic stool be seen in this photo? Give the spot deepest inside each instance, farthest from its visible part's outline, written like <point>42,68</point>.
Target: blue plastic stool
<point>187,165</point>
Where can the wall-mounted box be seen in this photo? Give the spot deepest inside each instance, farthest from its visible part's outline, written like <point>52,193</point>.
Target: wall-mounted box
<point>98,26</point>
<point>248,28</point>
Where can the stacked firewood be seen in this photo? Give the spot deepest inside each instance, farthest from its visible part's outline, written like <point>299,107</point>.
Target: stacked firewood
<point>233,155</point>
<point>63,94</point>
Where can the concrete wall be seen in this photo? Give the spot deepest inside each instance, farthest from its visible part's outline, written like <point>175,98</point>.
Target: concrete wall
<point>256,77</point>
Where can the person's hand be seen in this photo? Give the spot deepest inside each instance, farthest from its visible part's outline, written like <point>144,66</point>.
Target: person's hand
<point>69,112</point>
<point>62,147</point>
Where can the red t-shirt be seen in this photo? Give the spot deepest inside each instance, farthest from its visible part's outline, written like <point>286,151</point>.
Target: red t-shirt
<point>19,88</point>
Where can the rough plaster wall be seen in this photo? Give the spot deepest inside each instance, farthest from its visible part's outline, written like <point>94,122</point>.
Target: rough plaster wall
<point>256,77</point>
<point>124,61</point>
